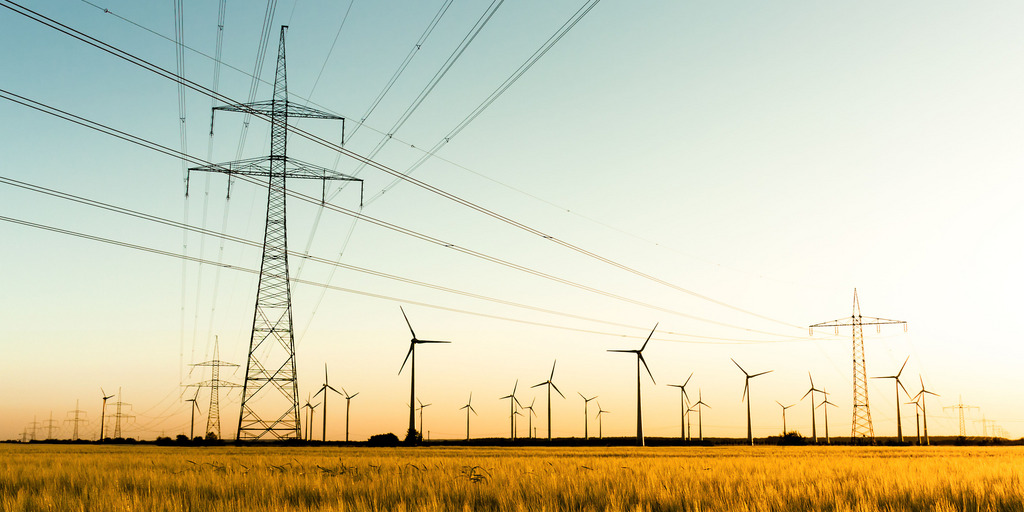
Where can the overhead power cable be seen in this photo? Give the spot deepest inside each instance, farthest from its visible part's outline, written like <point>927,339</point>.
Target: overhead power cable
<point>372,220</point>
<point>195,259</point>
<point>330,145</point>
<point>366,218</point>
<point>236,239</point>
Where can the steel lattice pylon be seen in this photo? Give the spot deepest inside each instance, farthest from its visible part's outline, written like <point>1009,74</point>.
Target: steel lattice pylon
<point>861,425</point>
<point>270,394</point>
<point>215,383</point>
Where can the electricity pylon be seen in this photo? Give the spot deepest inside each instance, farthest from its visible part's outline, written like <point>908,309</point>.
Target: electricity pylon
<point>960,408</point>
<point>861,426</point>
<point>215,364</point>
<point>270,394</point>
<point>118,415</point>
<point>76,420</point>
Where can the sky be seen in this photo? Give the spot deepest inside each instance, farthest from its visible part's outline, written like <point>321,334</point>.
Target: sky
<point>759,160</point>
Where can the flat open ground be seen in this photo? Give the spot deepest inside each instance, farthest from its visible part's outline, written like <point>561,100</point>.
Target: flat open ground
<point>152,478</point>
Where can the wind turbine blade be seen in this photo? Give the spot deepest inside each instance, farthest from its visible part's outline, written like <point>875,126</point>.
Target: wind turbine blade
<point>321,390</point>
<point>807,393</point>
<point>353,396</point>
<point>470,398</point>
<point>740,367</point>
<point>538,385</point>
<point>520,404</point>
<point>553,370</point>
<point>407,354</point>
<point>904,388</point>
<point>581,396</point>
<point>407,322</point>
<point>811,378</point>
<point>464,407</point>
<point>648,338</point>
<point>688,380</point>
<point>760,374</point>
<point>431,341</point>
<point>641,356</point>
<point>325,374</point>
<point>474,411</point>
<point>556,389</point>
<point>335,390</point>
<point>535,401</point>
<point>902,367</point>
<point>780,404</point>
<point>629,351</point>
<point>746,386</point>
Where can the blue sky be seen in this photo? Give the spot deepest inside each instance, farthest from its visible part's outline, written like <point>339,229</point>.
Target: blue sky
<point>772,157</point>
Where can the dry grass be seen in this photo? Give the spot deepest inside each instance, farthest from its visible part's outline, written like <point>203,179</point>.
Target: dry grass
<point>149,478</point>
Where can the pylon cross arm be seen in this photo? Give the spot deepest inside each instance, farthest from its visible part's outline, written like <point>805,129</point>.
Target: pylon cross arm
<point>266,108</point>
<point>261,166</point>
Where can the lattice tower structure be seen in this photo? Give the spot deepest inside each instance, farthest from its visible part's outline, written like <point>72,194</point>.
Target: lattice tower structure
<point>215,383</point>
<point>861,426</point>
<point>270,393</point>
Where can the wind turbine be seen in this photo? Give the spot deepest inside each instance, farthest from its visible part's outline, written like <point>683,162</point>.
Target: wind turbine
<point>924,412</point>
<point>468,407</point>
<point>899,422</point>
<point>586,401</point>
<point>192,422</point>
<point>600,421</point>
<point>422,406</point>
<point>550,385</point>
<point>746,396</point>
<point>412,380</point>
<point>103,412</point>
<point>784,407</point>
<point>825,403</point>
<point>917,418</point>
<point>324,389</point>
<point>639,360</point>
<point>348,400</point>
<point>683,409</point>
<point>814,420</point>
<point>529,417</point>
<point>309,417</point>
<point>700,423</point>
<point>512,402</point>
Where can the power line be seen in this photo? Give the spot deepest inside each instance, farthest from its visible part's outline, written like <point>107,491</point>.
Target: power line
<point>327,144</point>
<point>372,220</point>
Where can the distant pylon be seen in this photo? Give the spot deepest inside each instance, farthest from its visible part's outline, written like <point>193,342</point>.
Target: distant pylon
<point>270,394</point>
<point>862,426</point>
<point>118,415</point>
<point>215,364</point>
<point>50,426</point>
<point>960,408</point>
<point>75,420</point>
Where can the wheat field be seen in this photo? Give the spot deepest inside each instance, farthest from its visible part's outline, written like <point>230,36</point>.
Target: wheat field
<point>151,478</point>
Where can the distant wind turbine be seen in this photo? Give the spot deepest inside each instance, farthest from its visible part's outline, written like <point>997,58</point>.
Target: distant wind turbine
<point>899,421</point>
<point>103,412</point>
<point>412,380</point>
<point>422,406</point>
<point>600,421</point>
<point>324,389</point>
<point>683,409</point>
<point>550,385</point>
<point>529,418</point>
<point>469,408</point>
<point>825,403</point>
<point>784,407</point>
<point>814,421</point>
<point>924,412</point>
<point>700,421</point>
<point>917,418</point>
<point>192,421</point>
<point>348,400</point>
<point>746,396</point>
<point>309,417</point>
<point>586,401</point>
<point>512,403</point>
<point>640,360</point>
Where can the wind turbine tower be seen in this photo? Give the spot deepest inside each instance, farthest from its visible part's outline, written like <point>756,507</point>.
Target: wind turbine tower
<point>348,401</point>
<point>422,406</point>
<point>825,403</point>
<point>411,434</point>
<point>103,411</point>
<point>324,389</point>
<point>192,421</point>
<point>215,383</point>
<point>899,421</point>
<point>469,408</point>
<point>784,407</point>
<point>920,396</point>
<point>586,401</point>
<point>640,360</point>
<point>746,396</point>
<point>512,402</point>
<point>861,426</point>
<point>530,433</point>
<point>600,421</point>
<point>550,385</point>
<point>814,420</point>
<point>683,409</point>
<point>270,394</point>
<point>700,420</point>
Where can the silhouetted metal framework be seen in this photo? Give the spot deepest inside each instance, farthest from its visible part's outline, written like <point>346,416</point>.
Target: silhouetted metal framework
<point>215,383</point>
<point>861,426</point>
<point>270,394</point>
